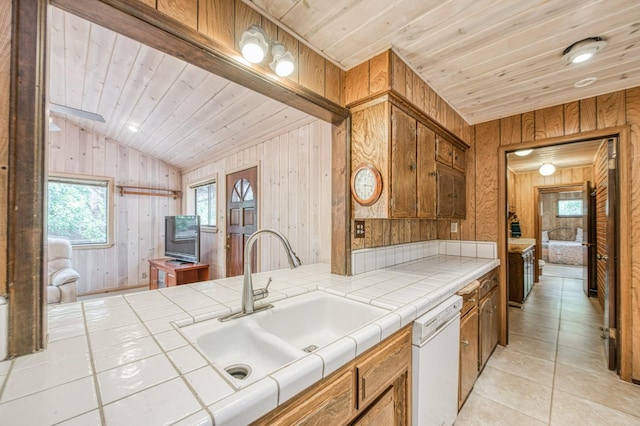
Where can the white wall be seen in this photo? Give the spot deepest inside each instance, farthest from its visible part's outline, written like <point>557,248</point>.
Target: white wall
<point>139,233</point>
<point>294,196</point>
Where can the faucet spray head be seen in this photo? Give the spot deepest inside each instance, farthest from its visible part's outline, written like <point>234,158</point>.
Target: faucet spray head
<point>294,260</point>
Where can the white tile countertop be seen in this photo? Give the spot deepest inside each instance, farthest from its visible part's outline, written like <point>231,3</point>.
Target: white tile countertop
<point>121,360</point>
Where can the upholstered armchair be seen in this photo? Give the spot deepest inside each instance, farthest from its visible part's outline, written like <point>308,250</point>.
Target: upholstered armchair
<point>62,277</point>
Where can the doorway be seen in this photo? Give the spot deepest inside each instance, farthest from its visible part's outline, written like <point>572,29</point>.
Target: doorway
<point>559,299</point>
<point>242,194</point>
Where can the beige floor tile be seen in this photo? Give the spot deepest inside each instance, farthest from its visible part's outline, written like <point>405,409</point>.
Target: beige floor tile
<point>534,331</point>
<point>594,362</point>
<point>483,411</point>
<point>581,318</point>
<point>524,365</point>
<point>520,315</point>
<point>592,343</point>
<point>568,409</point>
<point>542,310</point>
<point>604,388</point>
<point>518,393</point>
<point>580,328</point>
<point>533,347</point>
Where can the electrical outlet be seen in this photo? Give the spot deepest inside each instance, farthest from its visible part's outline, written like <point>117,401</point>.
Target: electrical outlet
<point>359,228</point>
<point>454,227</point>
<point>144,275</point>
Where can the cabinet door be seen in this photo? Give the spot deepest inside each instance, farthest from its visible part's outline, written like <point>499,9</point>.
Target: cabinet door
<point>495,322</point>
<point>468,354</point>
<point>459,196</point>
<point>444,151</point>
<point>332,405</point>
<point>445,193</point>
<point>382,412</point>
<point>459,159</point>
<point>426,185</point>
<point>403,164</point>
<point>153,278</point>
<point>485,320</point>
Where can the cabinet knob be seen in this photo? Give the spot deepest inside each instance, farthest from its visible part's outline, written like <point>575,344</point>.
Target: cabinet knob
<point>413,166</point>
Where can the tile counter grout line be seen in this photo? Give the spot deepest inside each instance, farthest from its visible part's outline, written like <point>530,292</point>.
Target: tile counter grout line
<point>94,370</point>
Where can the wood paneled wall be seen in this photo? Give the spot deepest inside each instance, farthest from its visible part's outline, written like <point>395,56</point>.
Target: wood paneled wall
<point>550,219</point>
<point>294,172</point>
<point>387,71</point>
<point>5,72</point>
<point>571,119</point>
<point>522,191</point>
<point>225,20</point>
<point>139,233</point>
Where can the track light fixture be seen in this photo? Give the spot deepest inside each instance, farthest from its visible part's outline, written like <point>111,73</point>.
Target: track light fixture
<point>254,46</point>
<point>282,60</point>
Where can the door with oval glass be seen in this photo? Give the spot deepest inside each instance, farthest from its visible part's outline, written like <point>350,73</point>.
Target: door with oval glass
<point>242,197</point>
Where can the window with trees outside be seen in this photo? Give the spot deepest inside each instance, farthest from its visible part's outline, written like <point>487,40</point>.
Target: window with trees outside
<point>570,208</point>
<point>79,209</point>
<point>205,205</point>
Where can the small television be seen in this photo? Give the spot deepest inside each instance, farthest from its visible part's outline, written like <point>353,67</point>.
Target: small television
<point>182,238</point>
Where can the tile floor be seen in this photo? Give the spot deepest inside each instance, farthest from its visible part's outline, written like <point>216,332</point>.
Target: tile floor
<point>553,372</point>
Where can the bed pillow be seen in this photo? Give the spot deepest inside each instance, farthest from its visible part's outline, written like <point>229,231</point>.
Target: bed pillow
<point>545,236</point>
<point>579,235</point>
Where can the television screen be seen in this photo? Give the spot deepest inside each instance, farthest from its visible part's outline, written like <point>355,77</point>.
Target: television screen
<point>182,238</point>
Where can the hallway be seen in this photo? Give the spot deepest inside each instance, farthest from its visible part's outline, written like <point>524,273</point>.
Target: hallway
<point>554,370</point>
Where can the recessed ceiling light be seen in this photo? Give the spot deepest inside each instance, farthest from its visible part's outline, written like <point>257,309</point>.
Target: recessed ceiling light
<point>523,152</point>
<point>133,128</point>
<point>584,82</point>
<point>583,50</point>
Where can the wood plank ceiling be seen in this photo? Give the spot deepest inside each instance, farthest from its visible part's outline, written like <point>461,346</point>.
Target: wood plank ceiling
<point>185,116</point>
<point>487,58</point>
<point>577,154</point>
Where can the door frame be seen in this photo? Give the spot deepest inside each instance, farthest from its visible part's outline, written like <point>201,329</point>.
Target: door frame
<point>538,219</point>
<point>624,239</point>
<point>222,242</point>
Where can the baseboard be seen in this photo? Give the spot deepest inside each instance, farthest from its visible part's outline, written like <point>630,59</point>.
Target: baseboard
<point>112,290</point>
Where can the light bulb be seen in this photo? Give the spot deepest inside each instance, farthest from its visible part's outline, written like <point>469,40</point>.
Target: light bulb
<point>282,60</point>
<point>253,44</point>
<point>252,52</point>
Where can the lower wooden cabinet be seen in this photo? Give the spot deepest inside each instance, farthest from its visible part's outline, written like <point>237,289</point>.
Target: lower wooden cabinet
<point>468,354</point>
<point>479,329</point>
<point>373,389</point>
<point>521,274</point>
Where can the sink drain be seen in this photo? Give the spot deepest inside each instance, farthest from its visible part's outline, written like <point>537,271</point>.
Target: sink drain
<point>238,371</point>
<point>310,348</point>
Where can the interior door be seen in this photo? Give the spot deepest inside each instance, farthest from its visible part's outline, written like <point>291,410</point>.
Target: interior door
<point>588,214</point>
<point>608,257</point>
<point>241,217</point>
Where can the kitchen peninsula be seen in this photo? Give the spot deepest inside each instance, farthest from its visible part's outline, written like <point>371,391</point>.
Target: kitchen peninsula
<point>123,360</point>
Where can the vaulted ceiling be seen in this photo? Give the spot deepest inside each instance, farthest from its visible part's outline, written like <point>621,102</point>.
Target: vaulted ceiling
<point>487,58</point>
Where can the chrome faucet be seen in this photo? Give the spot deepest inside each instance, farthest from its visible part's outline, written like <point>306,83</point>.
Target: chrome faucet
<point>249,295</point>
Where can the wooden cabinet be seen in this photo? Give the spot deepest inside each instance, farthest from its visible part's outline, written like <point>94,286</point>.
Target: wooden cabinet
<point>422,171</point>
<point>468,372</point>
<point>521,272</point>
<point>403,164</point>
<point>451,193</point>
<point>479,329</point>
<point>166,273</point>
<point>373,389</point>
<point>489,330</point>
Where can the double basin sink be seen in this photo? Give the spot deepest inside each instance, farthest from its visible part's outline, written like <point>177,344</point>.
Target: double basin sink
<point>247,349</point>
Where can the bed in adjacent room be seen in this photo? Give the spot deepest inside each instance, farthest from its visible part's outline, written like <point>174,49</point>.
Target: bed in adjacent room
<point>563,245</point>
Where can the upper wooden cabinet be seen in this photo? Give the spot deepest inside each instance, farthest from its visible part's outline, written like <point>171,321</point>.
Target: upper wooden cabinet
<point>422,170</point>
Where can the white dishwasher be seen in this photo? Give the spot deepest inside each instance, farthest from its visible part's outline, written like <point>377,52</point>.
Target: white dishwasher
<point>436,355</point>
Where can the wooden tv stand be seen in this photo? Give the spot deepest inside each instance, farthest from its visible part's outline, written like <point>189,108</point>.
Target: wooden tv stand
<point>168,272</point>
